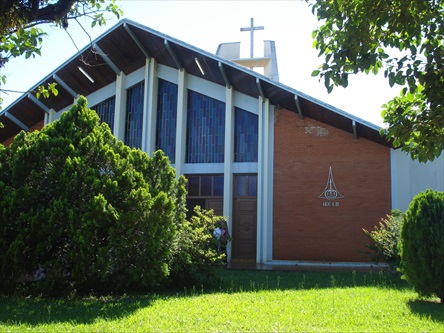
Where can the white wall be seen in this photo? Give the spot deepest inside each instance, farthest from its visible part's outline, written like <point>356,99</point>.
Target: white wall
<point>410,177</point>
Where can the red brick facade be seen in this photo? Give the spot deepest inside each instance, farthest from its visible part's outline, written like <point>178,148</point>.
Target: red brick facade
<point>305,229</point>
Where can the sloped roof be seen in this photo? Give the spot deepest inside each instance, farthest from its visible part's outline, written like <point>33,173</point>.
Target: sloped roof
<point>126,46</point>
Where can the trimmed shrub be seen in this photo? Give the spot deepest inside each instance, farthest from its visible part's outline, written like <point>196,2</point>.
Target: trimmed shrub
<point>422,244</point>
<point>85,212</point>
<point>386,238</point>
<point>199,248</point>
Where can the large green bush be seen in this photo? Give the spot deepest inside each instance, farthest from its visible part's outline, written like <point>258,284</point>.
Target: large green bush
<point>197,250</point>
<point>84,211</point>
<point>385,239</point>
<point>422,240</point>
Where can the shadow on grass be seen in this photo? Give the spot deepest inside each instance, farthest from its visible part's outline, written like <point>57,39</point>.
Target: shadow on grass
<point>428,308</point>
<point>35,311</point>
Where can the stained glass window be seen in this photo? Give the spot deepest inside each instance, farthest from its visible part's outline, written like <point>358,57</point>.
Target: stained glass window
<point>245,136</point>
<point>193,186</point>
<point>205,185</point>
<point>205,129</point>
<point>219,185</point>
<point>167,119</point>
<point>246,186</point>
<point>134,116</point>
<point>252,186</point>
<point>242,186</point>
<point>105,110</point>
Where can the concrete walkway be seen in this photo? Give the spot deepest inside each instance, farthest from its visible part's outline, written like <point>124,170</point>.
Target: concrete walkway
<point>310,266</point>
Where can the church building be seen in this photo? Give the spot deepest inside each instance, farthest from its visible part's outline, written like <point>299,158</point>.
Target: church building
<point>298,179</point>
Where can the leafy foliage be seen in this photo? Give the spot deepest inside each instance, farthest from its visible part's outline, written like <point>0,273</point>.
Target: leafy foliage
<point>22,14</point>
<point>196,249</point>
<point>403,38</point>
<point>25,42</point>
<point>19,34</point>
<point>85,210</point>
<point>19,18</point>
<point>386,238</point>
<point>47,91</point>
<point>422,250</point>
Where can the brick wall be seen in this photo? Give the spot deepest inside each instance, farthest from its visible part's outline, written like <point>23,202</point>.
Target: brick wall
<point>304,229</point>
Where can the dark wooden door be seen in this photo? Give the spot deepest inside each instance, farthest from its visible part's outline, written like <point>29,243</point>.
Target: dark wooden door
<point>244,218</point>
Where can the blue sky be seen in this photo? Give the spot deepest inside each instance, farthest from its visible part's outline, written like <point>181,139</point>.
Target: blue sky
<point>206,24</point>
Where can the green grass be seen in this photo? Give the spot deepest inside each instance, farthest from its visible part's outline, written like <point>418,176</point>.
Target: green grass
<point>264,301</point>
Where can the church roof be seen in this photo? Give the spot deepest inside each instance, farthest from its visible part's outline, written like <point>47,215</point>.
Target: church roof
<point>126,46</point>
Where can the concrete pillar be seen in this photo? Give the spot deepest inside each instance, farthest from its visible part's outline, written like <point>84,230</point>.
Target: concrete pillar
<point>120,107</point>
<point>228,161</point>
<point>181,129</point>
<point>150,107</point>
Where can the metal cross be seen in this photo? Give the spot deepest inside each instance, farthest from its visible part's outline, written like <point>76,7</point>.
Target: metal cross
<point>251,29</point>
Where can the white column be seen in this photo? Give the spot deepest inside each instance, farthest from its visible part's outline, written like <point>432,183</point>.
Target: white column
<point>46,119</point>
<point>265,200</point>
<point>270,193</point>
<point>228,162</point>
<point>120,107</point>
<point>260,180</point>
<point>265,182</point>
<point>149,107</point>
<point>51,116</point>
<point>181,129</point>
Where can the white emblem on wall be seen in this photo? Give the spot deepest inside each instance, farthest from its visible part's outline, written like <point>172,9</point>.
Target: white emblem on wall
<point>330,192</point>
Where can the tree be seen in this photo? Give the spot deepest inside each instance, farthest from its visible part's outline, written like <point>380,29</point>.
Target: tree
<point>405,40</point>
<point>199,248</point>
<point>88,212</point>
<point>422,244</point>
<point>19,21</point>
<point>385,239</point>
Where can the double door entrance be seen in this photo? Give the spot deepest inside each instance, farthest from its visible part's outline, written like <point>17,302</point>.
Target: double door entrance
<point>207,192</point>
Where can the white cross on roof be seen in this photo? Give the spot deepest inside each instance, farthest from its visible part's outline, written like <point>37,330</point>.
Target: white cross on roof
<point>251,28</point>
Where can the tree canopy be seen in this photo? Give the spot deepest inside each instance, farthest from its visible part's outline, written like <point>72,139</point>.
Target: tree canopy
<point>404,39</point>
<point>84,209</point>
<point>422,244</point>
<point>20,33</point>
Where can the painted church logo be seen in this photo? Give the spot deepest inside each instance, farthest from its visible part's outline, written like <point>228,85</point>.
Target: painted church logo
<point>330,193</point>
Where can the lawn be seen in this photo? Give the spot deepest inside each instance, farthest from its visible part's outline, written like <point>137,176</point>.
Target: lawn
<point>253,301</point>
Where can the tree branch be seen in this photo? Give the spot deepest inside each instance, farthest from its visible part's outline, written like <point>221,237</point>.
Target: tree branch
<point>53,12</point>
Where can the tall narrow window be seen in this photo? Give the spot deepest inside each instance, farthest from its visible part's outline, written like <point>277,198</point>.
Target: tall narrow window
<point>245,136</point>
<point>167,119</point>
<point>134,116</point>
<point>205,129</point>
<point>105,110</point>
<point>246,186</point>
